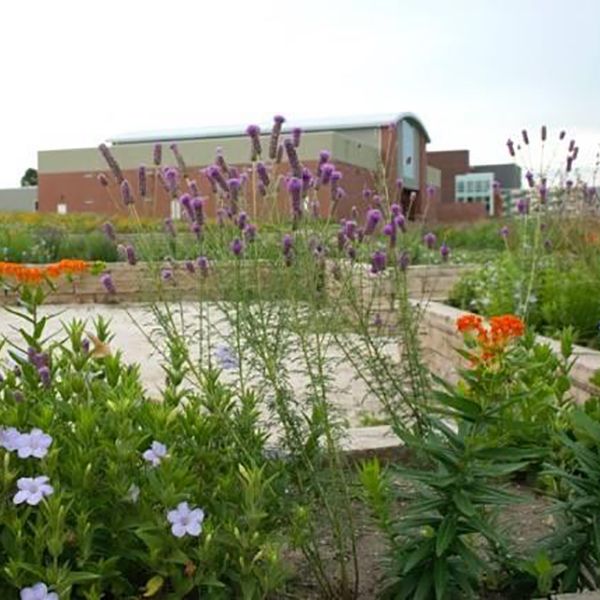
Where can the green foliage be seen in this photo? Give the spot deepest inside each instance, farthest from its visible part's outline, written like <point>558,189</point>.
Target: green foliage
<point>30,178</point>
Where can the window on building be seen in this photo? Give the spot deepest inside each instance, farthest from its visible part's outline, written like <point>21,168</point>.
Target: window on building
<point>460,186</point>
<point>61,208</point>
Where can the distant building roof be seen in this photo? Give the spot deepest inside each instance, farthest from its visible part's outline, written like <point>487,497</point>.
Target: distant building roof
<point>326,124</point>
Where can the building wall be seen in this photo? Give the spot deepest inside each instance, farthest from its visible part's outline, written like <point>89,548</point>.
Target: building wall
<point>451,163</point>
<point>18,199</point>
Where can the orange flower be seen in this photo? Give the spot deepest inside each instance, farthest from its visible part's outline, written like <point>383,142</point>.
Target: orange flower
<point>469,323</point>
<point>35,275</point>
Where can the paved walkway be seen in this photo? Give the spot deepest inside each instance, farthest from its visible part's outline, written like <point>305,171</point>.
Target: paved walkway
<point>351,395</point>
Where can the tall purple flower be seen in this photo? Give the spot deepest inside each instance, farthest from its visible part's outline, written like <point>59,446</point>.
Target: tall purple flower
<point>131,257</point>
<point>193,187</point>
<point>44,375</point>
<point>111,162</point>
<point>294,187</point>
<point>198,210</point>
<point>525,137</point>
<point>511,147</point>
<point>279,156</point>
<point>237,247</point>
<point>373,218</point>
<point>142,181</point>
<point>571,145</point>
<point>350,230</point>
<point>157,154</point>
<point>429,239</point>
<point>326,173</point>
<point>569,164</point>
<point>444,251</point>
<point>202,263</point>
<point>390,231</point>
<point>186,202</point>
<point>504,232</point>
<point>324,157</point>
<point>207,173</point>
<point>378,261</point>
<point>196,229</point>
<point>234,185</point>
<point>287,247</point>
<point>221,162</point>
<point>171,176</point>
<point>307,180</point>
<point>215,174</point>
<point>178,158</point>
<point>242,220</point>
<point>278,121</point>
<point>107,281</point>
<point>296,136</point>
<point>261,171</point>
<point>530,180</point>
<point>253,132</point>
<point>561,135</point>
<point>262,188</point>
<point>190,267</point>
<point>250,232</point>
<point>166,275</point>
<point>126,194</point>
<point>401,222</point>
<point>293,158</point>
<point>395,209</point>
<point>543,190</point>
<point>109,231</point>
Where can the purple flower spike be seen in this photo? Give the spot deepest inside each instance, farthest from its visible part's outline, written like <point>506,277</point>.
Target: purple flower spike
<point>366,194</point>
<point>45,377</point>
<point>561,135</point>
<point>250,232</point>
<point>202,263</point>
<point>395,209</point>
<point>543,193</point>
<point>525,137</point>
<point>221,214</point>
<point>293,158</point>
<point>399,184</point>
<point>350,230</point>
<point>196,229</point>
<point>112,163</point>
<point>221,162</point>
<point>142,181</point>
<point>107,281</point>
<point>373,218</point>
<point>215,174</point>
<point>404,261</point>
<point>157,154</point>
<point>242,220</point>
<point>198,210</point>
<point>102,179</point>
<point>237,247</point>
<point>189,266</point>
<point>429,239</point>
<point>544,133</point>
<point>170,227</point>
<point>166,275</point>
<point>326,173</point>
<point>253,132</point>
<point>571,145</point>
<point>278,121</point>
<point>178,158</point>
<point>171,176</point>
<point>296,136</point>
<point>130,253</point>
<point>390,231</point>
<point>511,147</point>
<point>263,176</point>
<point>234,185</point>
<point>504,232</point>
<point>378,261</point>
<point>522,206</point>
<point>444,251</point>
<point>294,187</point>
<point>307,180</point>
<point>530,180</point>
<point>569,164</point>
<point>287,244</point>
<point>262,189</point>
<point>186,202</point>
<point>126,195</point>
<point>109,231</point>
<point>279,156</point>
<point>324,157</point>
<point>401,223</point>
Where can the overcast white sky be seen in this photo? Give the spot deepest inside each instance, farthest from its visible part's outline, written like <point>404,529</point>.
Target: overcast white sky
<point>75,72</point>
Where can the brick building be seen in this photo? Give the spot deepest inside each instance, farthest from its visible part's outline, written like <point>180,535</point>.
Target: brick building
<point>361,149</point>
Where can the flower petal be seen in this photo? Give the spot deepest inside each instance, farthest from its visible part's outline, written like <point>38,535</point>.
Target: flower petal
<point>178,530</point>
<point>20,497</point>
<point>194,528</point>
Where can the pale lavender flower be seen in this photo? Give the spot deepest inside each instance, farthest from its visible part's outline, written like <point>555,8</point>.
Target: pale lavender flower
<point>294,187</point>
<point>126,195</point>
<point>395,209</point>
<point>207,173</point>
<point>111,162</point>
<point>262,188</point>
<point>189,265</point>
<point>429,239</point>
<point>157,154</point>
<point>193,187</point>
<point>9,438</point>
<point>250,232</point>
<point>237,247</point>
<point>293,158</point>
<point>253,132</point>
<point>504,232</point>
<point>45,376</point>
<point>296,136</point>
<point>221,162</point>
<point>166,275</point>
<point>198,210</point>
<point>390,231</point>
<point>142,181</point>
<point>107,281</point>
<point>530,180</point>
<point>38,591</point>
<point>522,206</point>
<point>109,231</point>
<point>35,444</point>
<point>226,358</point>
<point>171,176</point>
<point>186,202</point>
<point>185,520</point>
<point>32,490</point>
<point>350,230</point>
<point>401,222</point>
<point>326,172</point>
<point>307,180</point>
<point>234,189</point>
<point>180,162</point>
<point>242,220</point>
<point>215,174</point>
<point>155,453</point>
<point>324,157</point>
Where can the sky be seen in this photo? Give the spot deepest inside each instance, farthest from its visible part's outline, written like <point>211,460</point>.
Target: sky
<point>75,73</point>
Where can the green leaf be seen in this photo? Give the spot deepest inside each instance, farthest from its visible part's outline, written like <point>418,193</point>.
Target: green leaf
<point>445,535</point>
<point>440,578</point>
<point>463,503</point>
<point>153,586</point>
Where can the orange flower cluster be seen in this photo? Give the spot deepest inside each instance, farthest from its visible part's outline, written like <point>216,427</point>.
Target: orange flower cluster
<point>35,275</point>
<point>493,339</point>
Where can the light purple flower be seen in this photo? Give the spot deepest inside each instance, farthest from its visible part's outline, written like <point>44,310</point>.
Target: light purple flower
<point>109,231</point>
<point>504,232</point>
<point>202,263</point>
<point>39,591</point>
<point>237,247</point>
<point>529,177</point>
<point>327,171</point>
<point>444,251</point>
<point>190,267</point>
<point>157,154</point>
<point>9,438</point>
<point>198,210</point>
<point>250,232</point>
<point>155,453</point>
<point>214,174</point>
<point>373,218</point>
<point>522,206</point>
<point>429,239</point>
<point>126,195</point>
<point>44,375</point>
<point>35,444</point>
<point>378,261</point>
<point>32,490</point>
<point>293,158</point>
<point>185,520</point>
<point>324,157</point>
<point>296,136</point>
<point>294,187</point>
<point>278,121</point>
<point>511,147</point>
<point>253,132</point>
<point>111,162</point>
<point>261,171</point>
<point>107,281</point>
<point>142,181</point>
<point>221,162</point>
<point>226,358</point>
<point>166,274</point>
<point>130,253</point>
<point>171,176</point>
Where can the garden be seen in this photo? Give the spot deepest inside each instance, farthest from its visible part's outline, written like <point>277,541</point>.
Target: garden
<point>233,477</point>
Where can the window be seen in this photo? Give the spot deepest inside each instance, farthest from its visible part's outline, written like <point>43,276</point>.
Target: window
<point>470,186</point>
<point>61,208</point>
<point>460,186</point>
